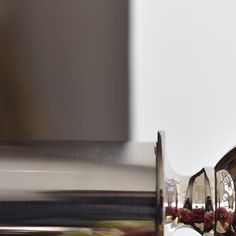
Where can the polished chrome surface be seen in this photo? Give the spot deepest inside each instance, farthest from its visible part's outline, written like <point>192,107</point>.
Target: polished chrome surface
<point>77,188</point>
<point>204,202</point>
<point>110,188</point>
<point>30,166</point>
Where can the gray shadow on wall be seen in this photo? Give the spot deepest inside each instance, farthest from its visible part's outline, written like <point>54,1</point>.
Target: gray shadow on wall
<point>64,69</point>
<point>13,103</point>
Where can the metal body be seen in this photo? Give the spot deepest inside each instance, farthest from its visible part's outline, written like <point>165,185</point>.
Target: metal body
<point>204,201</point>
<point>110,188</point>
<point>77,187</point>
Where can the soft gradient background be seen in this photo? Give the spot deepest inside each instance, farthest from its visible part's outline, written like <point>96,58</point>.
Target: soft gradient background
<point>183,78</point>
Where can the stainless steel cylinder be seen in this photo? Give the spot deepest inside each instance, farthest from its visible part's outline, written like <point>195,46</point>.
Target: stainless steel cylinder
<point>77,188</point>
<point>110,188</point>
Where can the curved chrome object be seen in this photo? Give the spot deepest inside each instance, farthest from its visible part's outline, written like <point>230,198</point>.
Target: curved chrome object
<point>204,201</point>
<point>110,188</point>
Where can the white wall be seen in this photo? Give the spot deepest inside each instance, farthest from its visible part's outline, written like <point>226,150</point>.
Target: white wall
<point>183,78</point>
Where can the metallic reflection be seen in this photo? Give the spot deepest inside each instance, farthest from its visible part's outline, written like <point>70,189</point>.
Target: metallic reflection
<point>77,188</point>
<point>110,188</point>
<point>204,201</point>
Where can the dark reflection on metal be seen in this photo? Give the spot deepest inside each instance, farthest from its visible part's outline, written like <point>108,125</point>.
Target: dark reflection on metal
<point>159,186</point>
<point>191,202</point>
<point>81,209</point>
<point>225,174</point>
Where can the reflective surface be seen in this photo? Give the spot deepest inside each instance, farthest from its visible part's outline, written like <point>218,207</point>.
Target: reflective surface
<point>110,188</point>
<point>190,201</point>
<point>77,188</point>
<point>204,202</point>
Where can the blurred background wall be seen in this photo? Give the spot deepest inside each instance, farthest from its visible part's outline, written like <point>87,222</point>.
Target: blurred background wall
<point>64,69</point>
<point>183,57</point>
